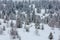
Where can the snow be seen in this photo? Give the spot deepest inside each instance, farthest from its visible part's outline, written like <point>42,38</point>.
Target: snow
<point>31,35</point>
<point>43,34</point>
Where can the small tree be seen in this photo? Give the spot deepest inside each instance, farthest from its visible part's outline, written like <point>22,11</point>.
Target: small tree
<point>19,22</point>
<point>11,24</point>
<point>3,28</point>
<point>37,24</point>
<point>4,21</point>
<point>42,27</point>
<point>13,33</point>
<point>33,16</point>
<point>38,10</point>
<point>27,28</point>
<point>0,23</point>
<point>37,32</point>
<point>50,36</point>
<point>59,38</point>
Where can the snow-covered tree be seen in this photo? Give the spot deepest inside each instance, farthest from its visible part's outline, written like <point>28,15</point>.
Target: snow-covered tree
<point>37,22</point>
<point>52,22</point>
<point>27,24</point>
<point>37,32</point>
<point>33,16</point>
<point>1,31</point>
<point>59,38</point>
<point>4,21</point>
<point>27,28</point>
<point>42,27</point>
<point>0,22</point>
<point>7,18</point>
<point>38,10</point>
<point>3,28</point>
<point>50,36</point>
<point>12,24</point>
<point>13,33</point>
<point>18,22</point>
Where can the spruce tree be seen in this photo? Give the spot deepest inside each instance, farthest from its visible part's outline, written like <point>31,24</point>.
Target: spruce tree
<point>42,27</point>
<point>18,22</point>
<point>50,36</point>
<point>3,28</point>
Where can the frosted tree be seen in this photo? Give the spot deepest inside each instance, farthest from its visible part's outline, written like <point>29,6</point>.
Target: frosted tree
<point>42,27</point>
<point>4,21</point>
<point>33,16</point>
<point>11,24</point>
<point>18,22</point>
<point>37,22</point>
<point>13,33</point>
<point>59,38</point>
<point>27,24</point>
<point>50,6</point>
<point>38,10</point>
<point>27,21</point>
<point>46,20</point>
<point>7,18</point>
<point>3,13</point>
<point>37,32</point>
<point>52,22</point>
<point>3,28</point>
<point>0,22</point>
<point>27,28</point>
<point>1,31</point>
<point>50,36</point>
<point>0,15</point>
<point>18,36</point>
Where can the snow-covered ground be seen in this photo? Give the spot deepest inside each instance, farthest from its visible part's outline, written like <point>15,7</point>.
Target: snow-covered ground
<point>31,35</point>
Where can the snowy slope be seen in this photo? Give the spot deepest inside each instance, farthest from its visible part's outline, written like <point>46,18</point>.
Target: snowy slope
<point>31,35</point>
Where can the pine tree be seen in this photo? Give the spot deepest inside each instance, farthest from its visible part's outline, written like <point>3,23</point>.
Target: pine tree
<point>50,36</point>
<point>37,22</point>
<point>18,22</point>
<point>3,28</point>
<point>38,10</point>
<point>33,16</point>
<point>37,32</point>
<point>4,21</point>
<point>13,33</point>
<point>27,24</point>
<point>42,27</point>
<point>1,31</point>
<point>59,38</point>
<point>0,23</point>
<point>11,24</point>
<point>27,29</point>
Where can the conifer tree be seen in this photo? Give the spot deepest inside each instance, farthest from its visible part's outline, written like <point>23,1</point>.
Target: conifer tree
<point>50,36</point>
